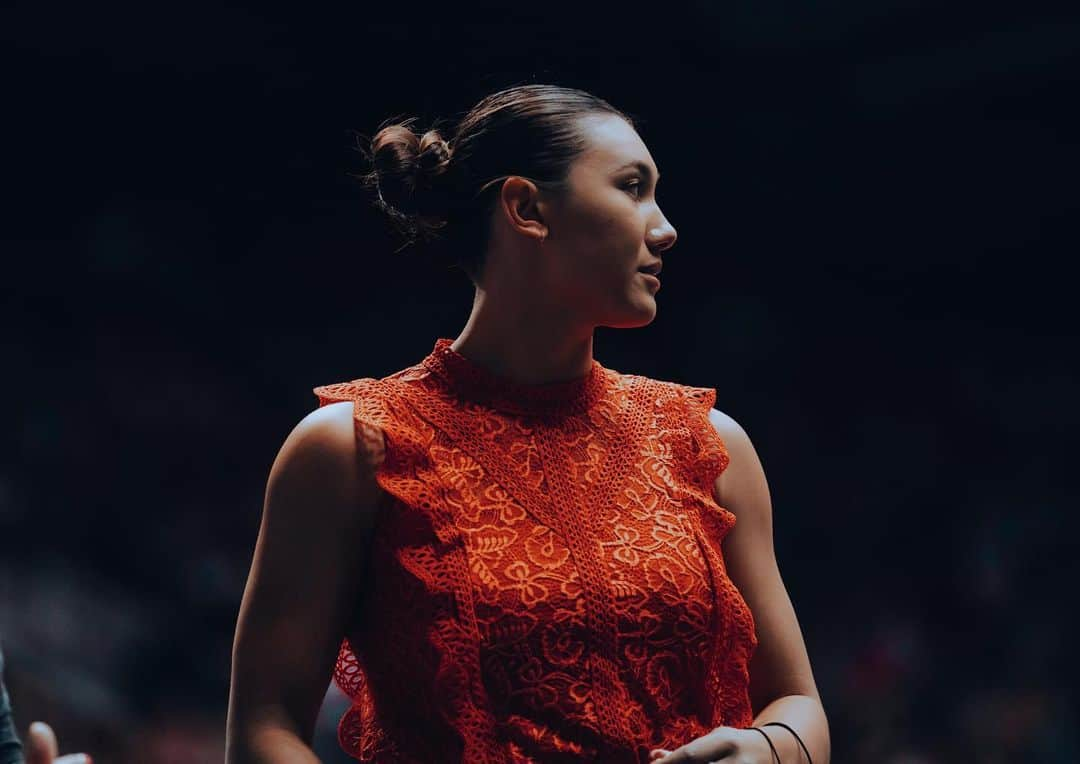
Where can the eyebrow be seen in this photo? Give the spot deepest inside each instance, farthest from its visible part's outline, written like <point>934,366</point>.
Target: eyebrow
<point>643,168</point>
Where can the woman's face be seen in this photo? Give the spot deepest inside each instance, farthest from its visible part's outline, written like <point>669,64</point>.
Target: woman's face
<point>606,228</point>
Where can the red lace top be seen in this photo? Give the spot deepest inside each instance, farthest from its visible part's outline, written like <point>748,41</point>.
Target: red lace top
<point>546,581</point>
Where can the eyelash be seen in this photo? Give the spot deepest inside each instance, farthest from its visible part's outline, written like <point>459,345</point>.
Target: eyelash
<point>636,184</point>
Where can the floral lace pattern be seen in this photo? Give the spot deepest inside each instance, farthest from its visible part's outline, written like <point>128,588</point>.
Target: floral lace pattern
<point>546,576</point>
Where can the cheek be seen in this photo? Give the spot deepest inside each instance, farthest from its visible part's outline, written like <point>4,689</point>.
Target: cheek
<point>607,239</point>
<point>601,245</point>
<point>614,223</point>
<point>604,214</point>
<point>595,263</point>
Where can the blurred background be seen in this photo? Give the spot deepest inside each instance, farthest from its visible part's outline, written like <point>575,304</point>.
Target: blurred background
<point>876,206</point>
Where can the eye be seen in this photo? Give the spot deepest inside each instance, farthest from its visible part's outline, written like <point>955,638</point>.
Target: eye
<point>634,184</point>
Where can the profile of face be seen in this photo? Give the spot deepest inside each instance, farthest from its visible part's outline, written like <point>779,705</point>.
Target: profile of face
<point>604,230</point>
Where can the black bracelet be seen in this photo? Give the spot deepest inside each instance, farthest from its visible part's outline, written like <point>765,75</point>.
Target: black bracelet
<point>796,734</point>
<point>776,756</point>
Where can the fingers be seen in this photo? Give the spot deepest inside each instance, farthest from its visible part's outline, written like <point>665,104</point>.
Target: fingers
<point>41,748</point>
<point>41,745</point>
<point>709,748</point>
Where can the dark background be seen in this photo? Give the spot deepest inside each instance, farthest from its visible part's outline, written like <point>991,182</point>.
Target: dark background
<point>876,205</point>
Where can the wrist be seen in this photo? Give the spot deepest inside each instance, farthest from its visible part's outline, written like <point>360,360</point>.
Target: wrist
<point>789,740</point>
<point>758,742</point>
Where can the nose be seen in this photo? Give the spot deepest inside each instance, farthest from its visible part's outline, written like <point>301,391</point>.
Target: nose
<point>662,237</point>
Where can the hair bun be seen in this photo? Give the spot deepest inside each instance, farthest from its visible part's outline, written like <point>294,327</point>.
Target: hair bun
<point>405,173</point>
<point>433,156</point>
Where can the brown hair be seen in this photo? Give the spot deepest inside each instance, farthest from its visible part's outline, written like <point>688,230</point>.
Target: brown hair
<point>443,192</point>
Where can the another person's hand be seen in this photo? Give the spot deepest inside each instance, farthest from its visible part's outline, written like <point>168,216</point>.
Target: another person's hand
<point>41,748</point>
<point>722,745</point>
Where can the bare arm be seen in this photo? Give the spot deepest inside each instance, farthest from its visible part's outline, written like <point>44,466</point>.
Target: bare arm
<point>305,579</point>
<point>782,686</point>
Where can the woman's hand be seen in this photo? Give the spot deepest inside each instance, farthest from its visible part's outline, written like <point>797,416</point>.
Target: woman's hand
<point>729,745</point>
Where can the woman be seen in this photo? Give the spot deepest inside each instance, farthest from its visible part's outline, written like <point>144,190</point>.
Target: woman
<point>521,547</point>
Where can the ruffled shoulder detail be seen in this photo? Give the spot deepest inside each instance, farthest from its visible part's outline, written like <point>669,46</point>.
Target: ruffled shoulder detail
<point>397,441</point>
<point>727,677</point>
<point>710,451</point>
<point>702,453</point>
<point>366,392</point>
<point>370,416</point>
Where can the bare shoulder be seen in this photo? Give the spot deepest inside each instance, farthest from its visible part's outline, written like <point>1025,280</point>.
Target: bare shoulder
<point>323,453</point>
<point>725,425</point>
<point>330,426</point>
<point>323,434</point>
<point>744,477</point>
<point>734,436</point>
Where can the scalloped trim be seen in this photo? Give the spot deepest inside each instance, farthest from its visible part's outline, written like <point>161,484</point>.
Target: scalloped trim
<point>711,455</point>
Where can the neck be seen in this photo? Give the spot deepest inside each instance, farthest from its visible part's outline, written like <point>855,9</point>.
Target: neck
<point>526,343</point>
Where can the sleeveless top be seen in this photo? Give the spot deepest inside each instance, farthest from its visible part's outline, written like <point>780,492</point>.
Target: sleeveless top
<point>545,580</point>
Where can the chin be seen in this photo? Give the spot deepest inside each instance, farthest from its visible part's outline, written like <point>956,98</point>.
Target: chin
<point>642,317</point>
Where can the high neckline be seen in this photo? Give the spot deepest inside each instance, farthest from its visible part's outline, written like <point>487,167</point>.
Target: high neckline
<point>470,381</point>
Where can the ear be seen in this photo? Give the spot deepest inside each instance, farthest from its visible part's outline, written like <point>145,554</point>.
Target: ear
<point>521,204</point>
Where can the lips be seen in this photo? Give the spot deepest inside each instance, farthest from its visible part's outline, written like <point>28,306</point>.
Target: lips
<point>651,279</point>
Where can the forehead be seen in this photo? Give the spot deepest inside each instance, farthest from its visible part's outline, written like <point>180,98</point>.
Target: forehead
<point>611,143</point>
